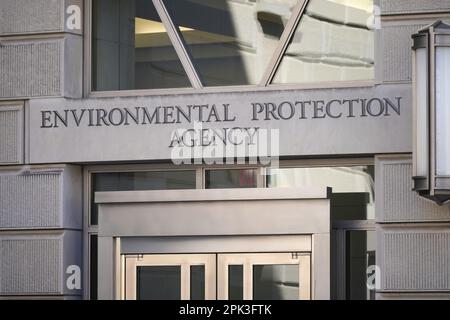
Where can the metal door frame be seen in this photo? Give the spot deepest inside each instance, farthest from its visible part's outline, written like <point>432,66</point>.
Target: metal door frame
<point>132,262</point>
<point>215,275</point>
<point>248,260</point>
<point>339,254</point>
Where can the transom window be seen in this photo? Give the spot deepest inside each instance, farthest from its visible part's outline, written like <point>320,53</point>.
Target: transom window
<point>155,44</point>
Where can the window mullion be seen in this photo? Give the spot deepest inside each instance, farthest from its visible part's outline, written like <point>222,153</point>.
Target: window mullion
<point>177,41</point>
<point>287,35</point>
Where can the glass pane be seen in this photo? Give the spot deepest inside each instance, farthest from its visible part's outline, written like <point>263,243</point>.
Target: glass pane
<point>231,41</point>
<point>235,282</point>
<point>334,41</point>
<point>442,111</point>
<point>275,282</point>
<point>421,125</point>
<point>197,282</point>
<point>93,267</point>
<point>352,187</point>
<point>234,178</point>
<point>140,180</point>
<point>360,254</point>
<point>131,48</point>
<point>159,283</point>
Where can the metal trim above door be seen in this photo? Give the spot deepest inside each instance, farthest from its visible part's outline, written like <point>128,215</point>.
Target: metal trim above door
<point>220,244</point>
<point>217,212</point>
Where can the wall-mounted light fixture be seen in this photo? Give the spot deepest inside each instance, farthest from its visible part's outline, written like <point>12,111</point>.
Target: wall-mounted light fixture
<point>431,114</point>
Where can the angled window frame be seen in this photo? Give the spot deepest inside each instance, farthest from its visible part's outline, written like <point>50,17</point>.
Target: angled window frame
<point>283,44</point>
<point>178,43</point>
<point>278,55</point>
<point>192,73</point>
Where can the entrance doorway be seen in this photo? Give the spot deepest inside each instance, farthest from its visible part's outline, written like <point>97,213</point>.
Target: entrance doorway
<point>214,244</point>
<point>237,276</point>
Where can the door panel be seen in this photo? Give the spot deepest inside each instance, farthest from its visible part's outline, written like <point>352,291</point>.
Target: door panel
<point>267,276</point>
<point>170,277</point>
<point>165,282</point>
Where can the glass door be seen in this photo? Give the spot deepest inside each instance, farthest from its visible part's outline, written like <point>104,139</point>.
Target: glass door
<point>245,276</point>
<point>266,276</point>
<point>170,277</point>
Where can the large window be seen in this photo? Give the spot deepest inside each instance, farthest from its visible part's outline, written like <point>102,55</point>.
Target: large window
<point>231,42</point>
<point>154,44</point>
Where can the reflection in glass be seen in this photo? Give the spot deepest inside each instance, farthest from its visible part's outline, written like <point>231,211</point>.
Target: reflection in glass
<point>235,282</point>
<point>131,48</point>
<point>93,269</point>
<point>359,255</point>
<point>230,41</point>
<point>442,111</point>
<point>352,187</point>
<point>275,282</point>
<point>230,178</point>
<point>139,180</point>
<point>334,41</point>
<point>198,282</point>
<point>159,283</point>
